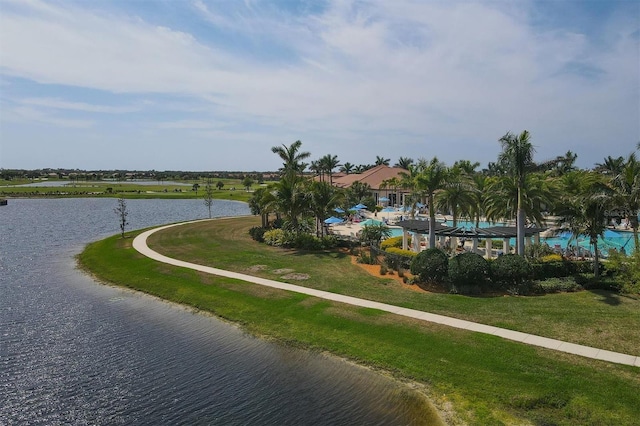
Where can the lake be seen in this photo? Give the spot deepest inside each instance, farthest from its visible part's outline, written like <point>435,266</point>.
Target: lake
<point>73,351</point>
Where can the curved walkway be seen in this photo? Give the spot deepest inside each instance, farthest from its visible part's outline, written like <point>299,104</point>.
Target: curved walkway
<point>140,244</point>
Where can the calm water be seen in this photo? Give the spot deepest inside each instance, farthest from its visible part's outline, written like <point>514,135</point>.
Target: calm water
<point>76,352</point>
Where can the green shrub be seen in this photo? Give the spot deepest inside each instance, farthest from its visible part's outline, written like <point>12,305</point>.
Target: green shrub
<point>510,270</point>
<point>626,270</point>
<point>557,285</point>
<point>468,268</point>
<point>430,265</point>
<point>383,269</point>
<point>306,241</point>
<point>278,238</point>
<point>329,242</point>
<point>257,233</point>
<point>538,250</point>
<point>543,270</point>
<point>367,258</point>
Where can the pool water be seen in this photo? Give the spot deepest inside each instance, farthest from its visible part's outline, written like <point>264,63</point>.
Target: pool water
<point>612,239</point>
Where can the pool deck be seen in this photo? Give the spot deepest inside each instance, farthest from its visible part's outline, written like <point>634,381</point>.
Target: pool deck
<point>140,244</point>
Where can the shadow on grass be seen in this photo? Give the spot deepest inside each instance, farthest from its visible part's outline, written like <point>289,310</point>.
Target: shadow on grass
<point>608,297</point>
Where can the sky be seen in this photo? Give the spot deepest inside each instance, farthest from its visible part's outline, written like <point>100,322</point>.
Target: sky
<point>214,85</point>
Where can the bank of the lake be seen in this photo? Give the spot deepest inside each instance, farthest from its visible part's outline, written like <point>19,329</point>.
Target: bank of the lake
<point>486,379</point>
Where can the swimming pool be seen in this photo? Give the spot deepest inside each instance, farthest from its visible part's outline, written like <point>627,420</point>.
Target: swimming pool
<point>611,240</point>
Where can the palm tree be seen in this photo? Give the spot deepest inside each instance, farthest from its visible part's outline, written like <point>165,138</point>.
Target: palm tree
<point>610,166</point>
<point>290,199</point>
<point>537,194</point>
<point>565,164</point>
<point>456,197</point>
<point>466,166</point>
<point>262,202</point>
<point>316,168</point>
<point>381,161</point>
<point>481,184</point>
<point>323,198</point>
<point>431,179</point>
<point>626,185</point>
<point>347,168</point>
<point>404,163</point>
<point>328,163</point>
<point>292,158</point>
<point>584,210</point>
<point>517,156</point>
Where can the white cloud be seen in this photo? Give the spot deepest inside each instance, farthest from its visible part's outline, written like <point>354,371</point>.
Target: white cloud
<point>77,106</point>
<point>397,75</point>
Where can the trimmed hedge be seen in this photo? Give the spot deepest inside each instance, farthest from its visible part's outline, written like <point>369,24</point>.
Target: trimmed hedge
<point>398,251</point>
<point>393,242</point>
<point>511,270</point>
<point>468,268</point>
<point>431,264</point>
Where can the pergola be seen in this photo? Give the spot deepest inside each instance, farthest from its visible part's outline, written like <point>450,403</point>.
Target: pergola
<point>476,234</point>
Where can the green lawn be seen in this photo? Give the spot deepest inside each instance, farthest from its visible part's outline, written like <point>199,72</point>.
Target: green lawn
<point>487,380</point>
<point>595,318</point>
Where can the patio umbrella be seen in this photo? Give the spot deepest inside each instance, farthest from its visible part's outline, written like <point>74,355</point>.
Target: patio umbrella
<point>332,220</point>
<point>338,210</point>
<point>388,210</point>
<point>359,207</point>
<point>384,199</point>
<point>371,222</point>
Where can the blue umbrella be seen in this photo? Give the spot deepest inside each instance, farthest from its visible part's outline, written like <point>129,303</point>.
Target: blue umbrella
<point>419,205</point>
<point>388,210</point>
<point>332,220</point>
<point>384,199</point>
<point>338,210</point>
<point>359,207</point>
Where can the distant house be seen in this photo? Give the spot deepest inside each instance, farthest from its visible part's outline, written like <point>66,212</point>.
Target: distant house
<point>375,178</point>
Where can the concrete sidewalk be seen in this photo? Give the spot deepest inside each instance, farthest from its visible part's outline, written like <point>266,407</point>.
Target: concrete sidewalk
<point>140,244</point>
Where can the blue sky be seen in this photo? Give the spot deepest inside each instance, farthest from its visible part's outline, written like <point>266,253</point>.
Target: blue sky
<point>213,85</point>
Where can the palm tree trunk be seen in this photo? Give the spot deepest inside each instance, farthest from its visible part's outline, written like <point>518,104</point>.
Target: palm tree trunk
<point>596,265</point>
<point>432,223</point>
<point>520,219</point>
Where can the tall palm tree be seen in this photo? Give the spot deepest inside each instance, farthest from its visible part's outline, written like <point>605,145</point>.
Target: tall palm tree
<point>626,185</point>
<point>381,161</point>
<point>328,163</point>
<point>404,163</point>
<point>292,158</point>
<point>430,180</point>
<point>517,156</point>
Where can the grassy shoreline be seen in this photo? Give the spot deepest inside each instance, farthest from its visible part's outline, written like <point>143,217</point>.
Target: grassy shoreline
<point>486,379</point>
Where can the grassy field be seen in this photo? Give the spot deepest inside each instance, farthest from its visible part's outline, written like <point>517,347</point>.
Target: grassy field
<point>595,318</point>
<point>487,380</point>
<point>127,190</point>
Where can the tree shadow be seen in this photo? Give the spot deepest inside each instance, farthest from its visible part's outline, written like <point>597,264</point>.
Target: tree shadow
<point>608,297</point>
